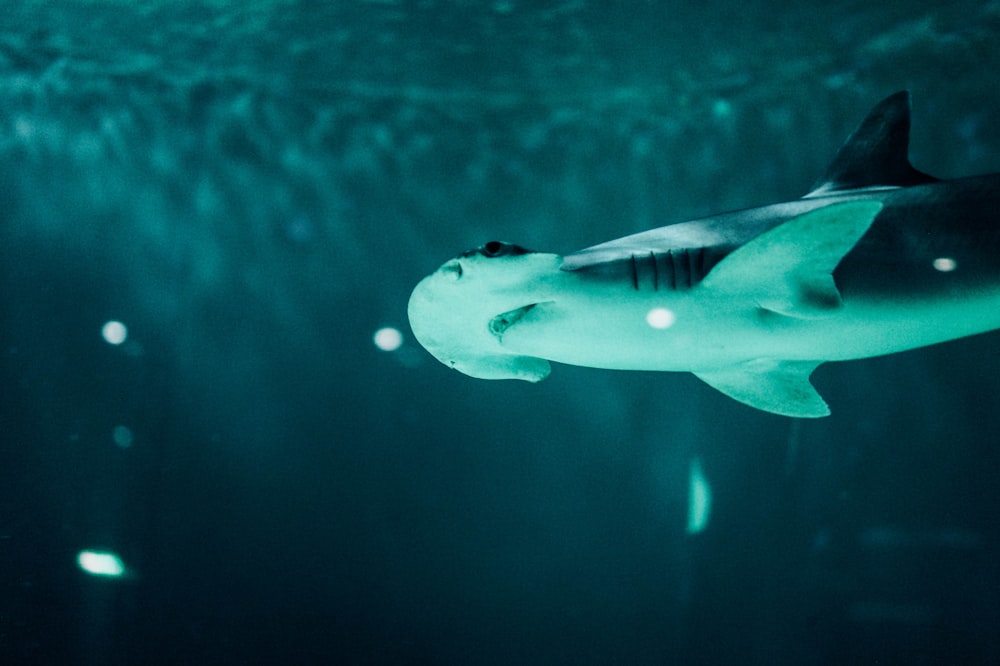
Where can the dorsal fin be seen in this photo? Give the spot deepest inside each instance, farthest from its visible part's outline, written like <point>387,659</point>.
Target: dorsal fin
<point>875,155</point>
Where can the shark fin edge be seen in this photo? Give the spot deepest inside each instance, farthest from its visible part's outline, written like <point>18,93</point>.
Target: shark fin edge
<point>876,154</point>
<point>778,387</point>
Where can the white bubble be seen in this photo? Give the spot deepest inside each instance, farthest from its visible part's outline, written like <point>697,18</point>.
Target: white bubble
<point>945,264</point>
<point>388,339</point>
<point>660,318</point>
<point>114,332</point>
<point>699,499</point>
<point>122,437</point>
<point>100,563</point>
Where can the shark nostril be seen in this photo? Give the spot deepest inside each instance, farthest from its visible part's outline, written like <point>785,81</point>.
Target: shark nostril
<point>453,269</point>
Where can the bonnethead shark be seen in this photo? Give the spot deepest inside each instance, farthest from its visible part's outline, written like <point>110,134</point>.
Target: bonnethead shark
<point>878,258</point>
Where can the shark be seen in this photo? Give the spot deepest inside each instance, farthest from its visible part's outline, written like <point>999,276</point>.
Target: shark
<point>877,258</point>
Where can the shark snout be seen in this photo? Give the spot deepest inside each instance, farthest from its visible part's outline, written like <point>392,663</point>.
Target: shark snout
<point>461,312</point>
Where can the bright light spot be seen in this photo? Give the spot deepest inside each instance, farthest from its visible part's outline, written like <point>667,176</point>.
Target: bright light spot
<point>114,332</point>
<point>100,563</point>
<point>699,499</point>
<point>722,109</point>
<point>388,339</point>
<point>122,436</point>
<point>945,264</point>
<point>660,318</point>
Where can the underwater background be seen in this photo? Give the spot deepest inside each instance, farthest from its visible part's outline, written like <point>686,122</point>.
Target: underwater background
<point>208,209</point>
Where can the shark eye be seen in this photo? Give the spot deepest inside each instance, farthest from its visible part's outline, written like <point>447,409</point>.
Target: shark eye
<point>498,249</point>
<point>494,249</point>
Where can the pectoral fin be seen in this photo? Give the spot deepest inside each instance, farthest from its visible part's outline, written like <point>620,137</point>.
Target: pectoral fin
<point>789,269</point>
<point>779,387</point>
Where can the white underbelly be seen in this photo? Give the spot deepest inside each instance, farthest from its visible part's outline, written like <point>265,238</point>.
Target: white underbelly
<point>616,334</point>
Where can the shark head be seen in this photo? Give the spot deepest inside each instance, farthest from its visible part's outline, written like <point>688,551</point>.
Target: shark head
<point>460,312</point>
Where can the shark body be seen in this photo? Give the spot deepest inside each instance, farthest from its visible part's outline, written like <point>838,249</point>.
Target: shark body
<point>878,258</point>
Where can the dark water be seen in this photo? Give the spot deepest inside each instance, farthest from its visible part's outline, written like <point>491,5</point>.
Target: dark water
<point>253,189</point>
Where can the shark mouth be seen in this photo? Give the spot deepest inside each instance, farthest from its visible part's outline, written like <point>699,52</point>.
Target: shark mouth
<point>504,320</point>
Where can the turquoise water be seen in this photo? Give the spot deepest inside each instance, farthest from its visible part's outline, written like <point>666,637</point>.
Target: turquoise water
<point>251,190</point>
